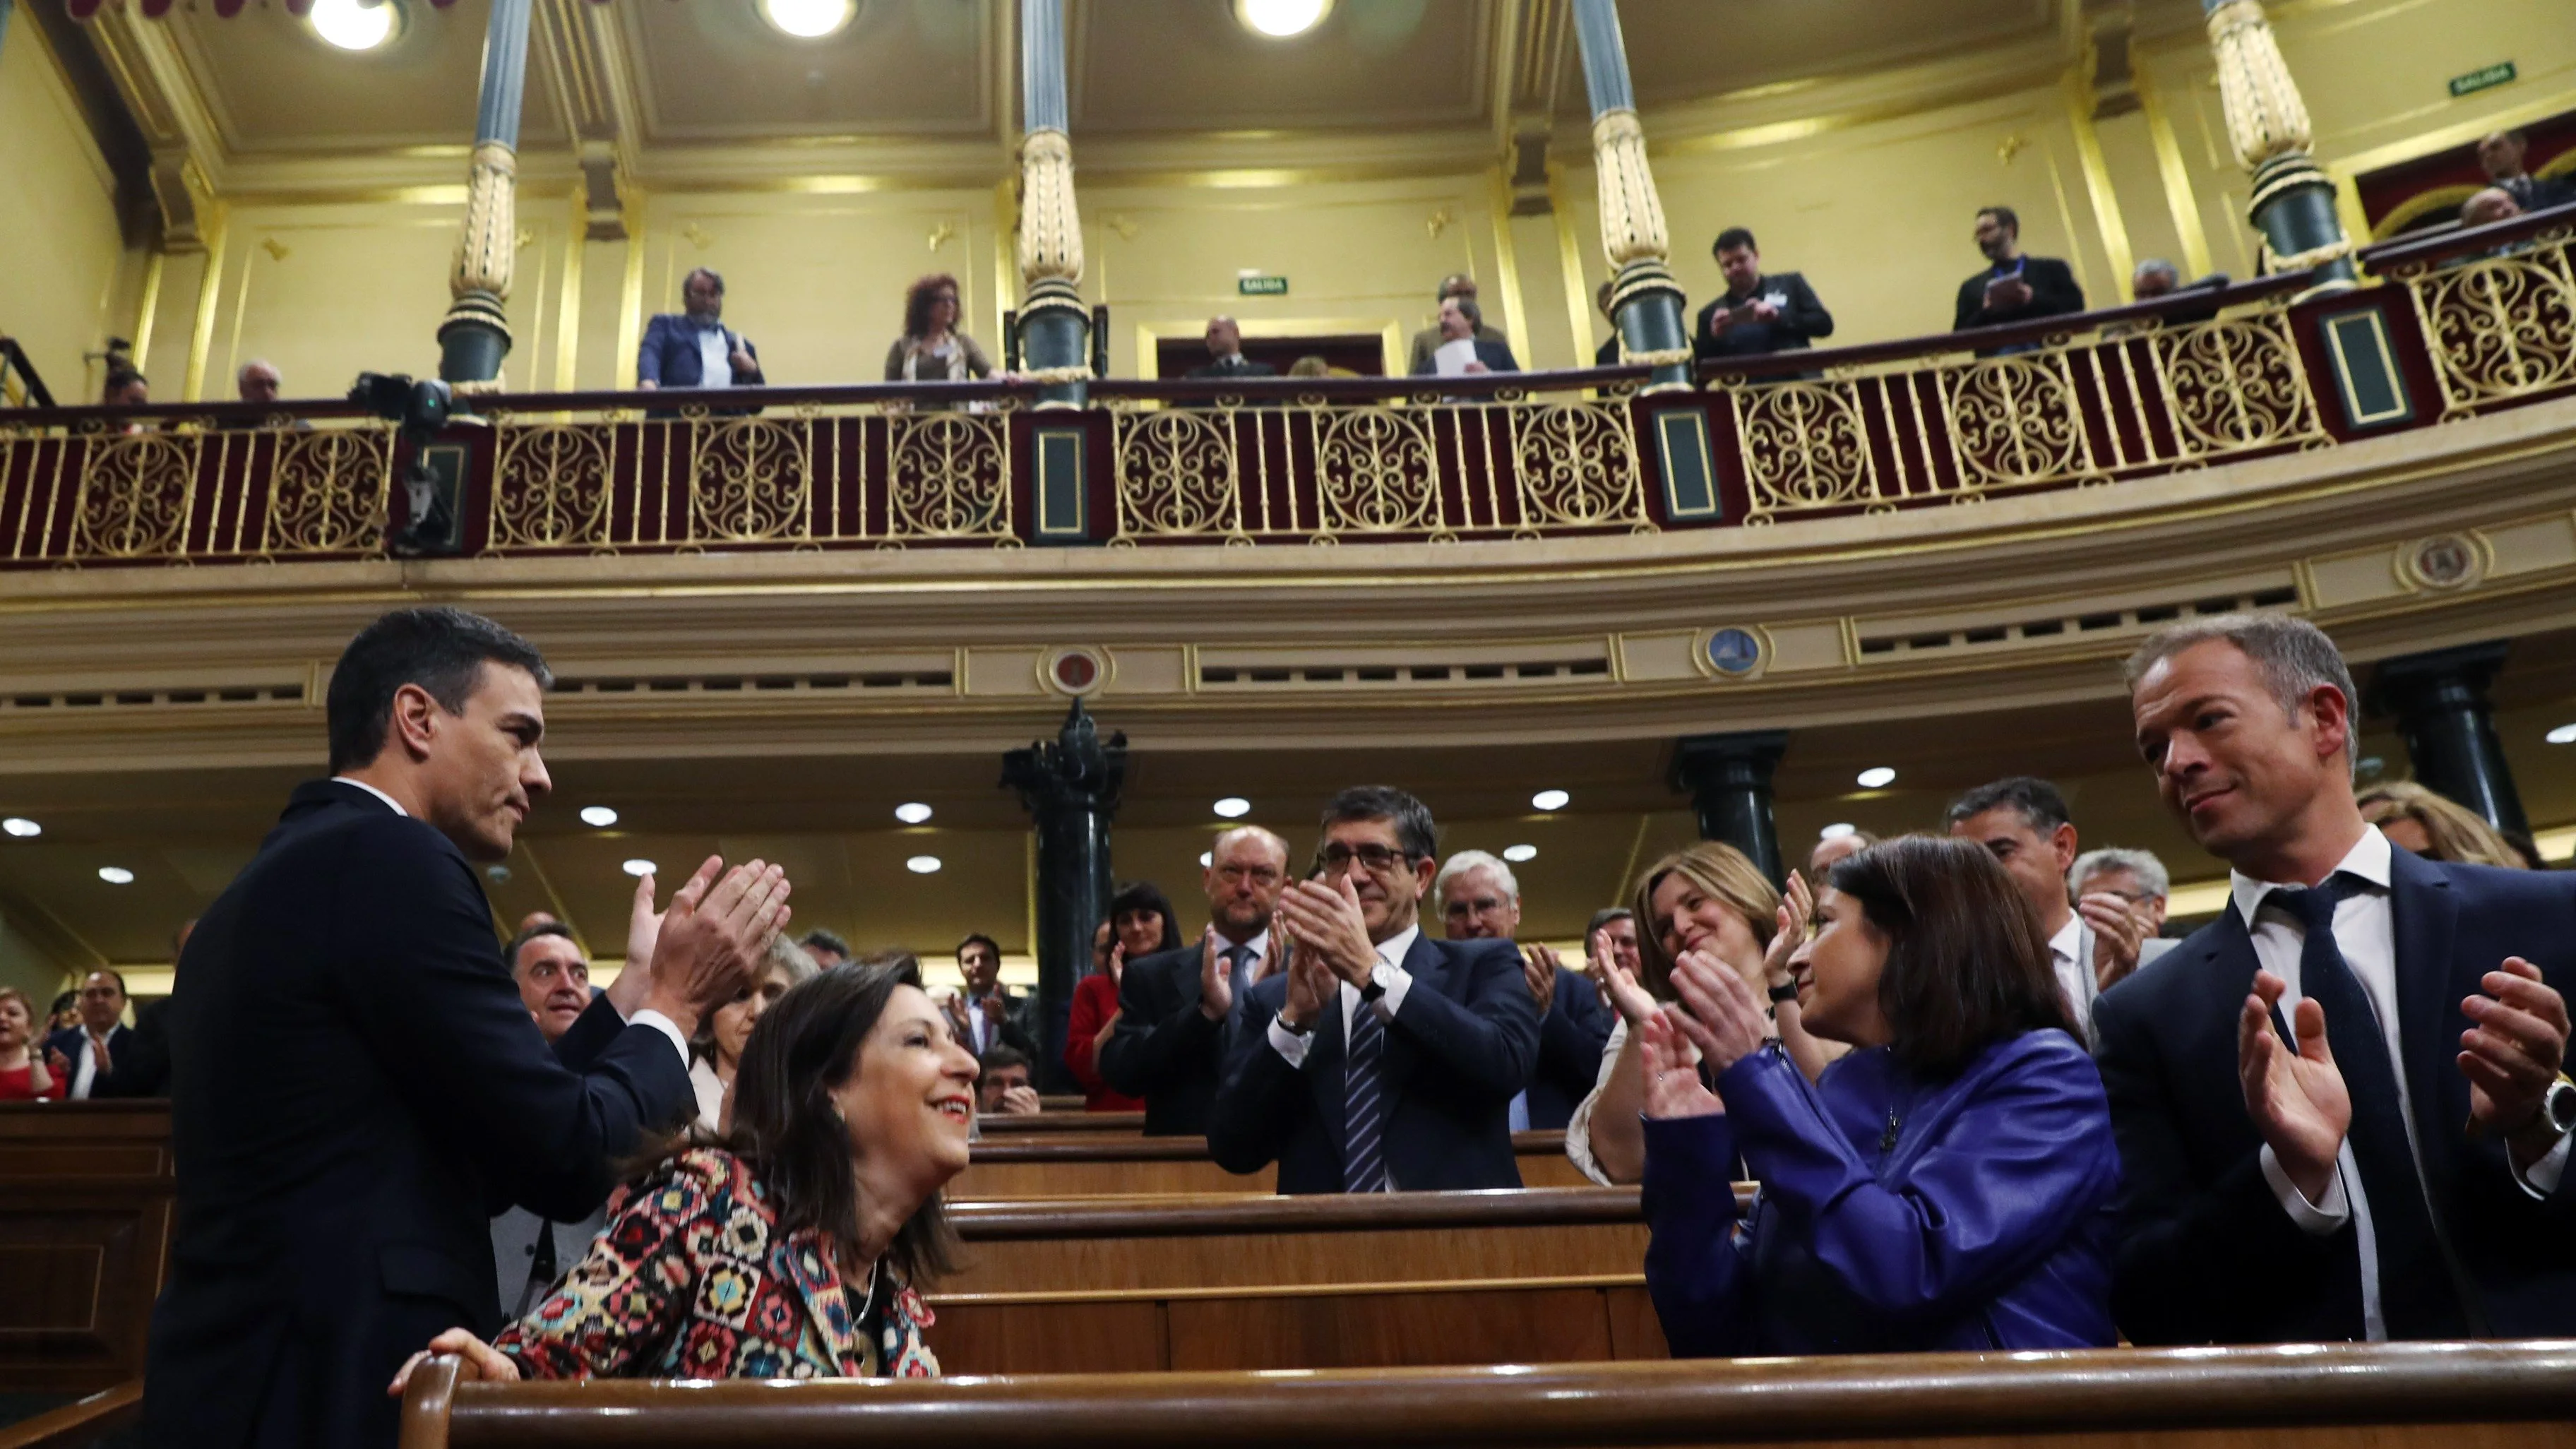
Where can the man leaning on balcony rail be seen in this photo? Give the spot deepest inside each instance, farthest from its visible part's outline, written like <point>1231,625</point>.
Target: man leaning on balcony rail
<point>693,348</point>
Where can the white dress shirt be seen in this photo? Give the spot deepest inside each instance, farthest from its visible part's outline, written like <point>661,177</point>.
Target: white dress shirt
<point>85,1069</point>
<point>2365,932</point>
<point>1389,973</point>
<point>648,1017</point>
<point>2070,955</point>
<point>715,359</point>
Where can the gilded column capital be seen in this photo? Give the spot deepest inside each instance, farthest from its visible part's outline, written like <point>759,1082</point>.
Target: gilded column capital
<point>2265,116</point>
<point>1632,215</point>
<point>487,250</point>
<point>1050,223</point>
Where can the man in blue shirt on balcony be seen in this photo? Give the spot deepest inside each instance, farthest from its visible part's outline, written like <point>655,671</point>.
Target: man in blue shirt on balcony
<point>694,348</point>
<point>2013,287</point>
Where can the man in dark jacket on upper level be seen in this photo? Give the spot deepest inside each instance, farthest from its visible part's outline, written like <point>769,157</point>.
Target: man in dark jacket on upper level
<point>1760,313</point>
<point>2013,287</point>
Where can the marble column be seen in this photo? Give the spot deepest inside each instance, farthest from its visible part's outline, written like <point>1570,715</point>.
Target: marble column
<point>1055,327</point>
<point>1728,778</point>
<point>1645,300</point>
<point>2442,711</point>
<point>1070,789</point>
<point>2293,201</point>
<point>476,335</point>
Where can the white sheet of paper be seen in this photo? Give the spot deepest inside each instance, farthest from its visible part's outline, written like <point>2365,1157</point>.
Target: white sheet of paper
<point>1453,357</point>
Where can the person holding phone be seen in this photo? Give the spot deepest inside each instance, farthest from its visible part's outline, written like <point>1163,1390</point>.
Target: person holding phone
<point>2013,287</point>
<point>1760,313</point>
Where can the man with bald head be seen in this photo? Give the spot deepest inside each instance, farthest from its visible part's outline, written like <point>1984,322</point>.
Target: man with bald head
<point>1225,354</point>
<point>1176,1008</point>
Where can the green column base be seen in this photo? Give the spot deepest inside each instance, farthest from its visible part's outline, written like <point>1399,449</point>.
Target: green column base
<point>1648,305</point>
<point>2294,208</point>
<point>473,341</point>
<point>1055,343</point>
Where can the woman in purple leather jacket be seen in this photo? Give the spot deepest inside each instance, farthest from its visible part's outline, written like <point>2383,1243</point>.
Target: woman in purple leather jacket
<point>1947,1185</point>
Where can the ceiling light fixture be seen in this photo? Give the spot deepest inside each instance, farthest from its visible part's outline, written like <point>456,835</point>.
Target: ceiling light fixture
<point>1281,19</point>
<point>598,815</point>
<point>1877,777</point>
<point>912,812</point>
<point>1549,800</point>
<point>923,865</point>
<point>22,827</point>
<point>2563,735</point>
<point>638,867</point>
<point>1518,853</point>
<point>355,24</point>
<point>1232,807</point>
<point>115,875</point>
<point>808,19</point>
<point>1207,858</point>
<point>1838,830</point>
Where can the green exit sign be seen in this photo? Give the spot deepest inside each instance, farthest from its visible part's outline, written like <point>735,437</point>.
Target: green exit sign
<point>1261,286</point>
<point>2479,80</point>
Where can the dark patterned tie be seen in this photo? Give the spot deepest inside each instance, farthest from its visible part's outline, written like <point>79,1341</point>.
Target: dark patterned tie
<point>1363,1104</point>
<point>1235,956</point>
<point>2416,1295</point>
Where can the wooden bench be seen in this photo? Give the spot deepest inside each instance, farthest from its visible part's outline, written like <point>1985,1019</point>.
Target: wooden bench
<point>85,1196</point>
<point>1047,1167</point>
<point>2383,1396</point>
<point>1077,1122</point>
<point>1232,1281</point>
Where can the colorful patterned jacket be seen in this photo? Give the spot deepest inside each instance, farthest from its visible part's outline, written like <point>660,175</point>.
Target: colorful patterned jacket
<point>692,1280</point>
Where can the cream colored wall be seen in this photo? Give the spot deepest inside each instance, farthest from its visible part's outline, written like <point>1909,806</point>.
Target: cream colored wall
<point>58,230</point>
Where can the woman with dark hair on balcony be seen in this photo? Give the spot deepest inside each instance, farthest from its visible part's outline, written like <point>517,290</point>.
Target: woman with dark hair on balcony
<point>1948,1185</point>
<point>797,1247</point>
<point>931,348</point>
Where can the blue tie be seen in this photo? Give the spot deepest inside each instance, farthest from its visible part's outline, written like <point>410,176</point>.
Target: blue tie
<point>1363,1104</point>
<point>2416,1295</point>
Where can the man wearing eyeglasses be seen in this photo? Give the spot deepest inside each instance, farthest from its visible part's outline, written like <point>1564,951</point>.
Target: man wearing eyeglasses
<point>1176,1008</point>
<point>1378,1059</point>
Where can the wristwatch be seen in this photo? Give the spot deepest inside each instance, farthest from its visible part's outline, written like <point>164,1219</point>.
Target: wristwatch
<point>2558,1106</point>
<point>1292,1028</point>
<point>1788,992</point>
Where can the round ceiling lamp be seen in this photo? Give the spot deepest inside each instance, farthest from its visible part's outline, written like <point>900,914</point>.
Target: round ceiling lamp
<point>808,19</point>
<point>355,24</point>
<point>1281,19</point>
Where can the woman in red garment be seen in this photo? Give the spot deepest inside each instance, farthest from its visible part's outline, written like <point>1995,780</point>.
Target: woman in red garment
<point>23,1077</point>
<point>1140,923</point>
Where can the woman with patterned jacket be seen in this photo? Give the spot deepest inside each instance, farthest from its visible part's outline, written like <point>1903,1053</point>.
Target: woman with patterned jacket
<point>797,1246</point>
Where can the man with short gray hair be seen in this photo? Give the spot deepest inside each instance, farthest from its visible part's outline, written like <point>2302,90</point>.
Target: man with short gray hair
<point>693,348</point>
<point>2130,880</point>
<point>1176,1009</point>
<point>2378,1149</point>
<point>1480,900</point>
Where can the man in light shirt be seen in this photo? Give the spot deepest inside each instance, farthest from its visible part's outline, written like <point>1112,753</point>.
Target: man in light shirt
<point>1378,1059</point>
<point>694,349</point>
<point>2341,1106</point>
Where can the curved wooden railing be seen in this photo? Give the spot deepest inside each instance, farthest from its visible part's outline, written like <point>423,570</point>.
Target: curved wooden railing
<point>79,1425</point>
<point>2407,1395</point>
<point>2447,327</point>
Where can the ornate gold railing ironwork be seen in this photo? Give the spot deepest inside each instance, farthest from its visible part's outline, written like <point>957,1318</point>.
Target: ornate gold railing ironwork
<point>2500,325</point>
<point>98,493</point>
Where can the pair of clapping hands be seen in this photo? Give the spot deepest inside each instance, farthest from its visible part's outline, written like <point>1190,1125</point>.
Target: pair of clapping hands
<point>1318,935</point>
<point>1720,1014</point>
<point>707,948</point>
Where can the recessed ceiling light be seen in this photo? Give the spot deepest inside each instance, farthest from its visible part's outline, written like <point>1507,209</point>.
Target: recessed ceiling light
<point>1518,853</point>
<point>1207,858</point>
<point>1877,777</point>
<point>1233,807</point>
<point>353,24</point>
<point>638,867</point>
<point>115,875</point>
<point>923,865</point>
<point>912,813</point>
<point>22,827</point>
<point>1281,19</point>
<point>1549,800</point>
<point>808,19</point>
<point>1838,830</point>
<point>2563,735</point>
<point>598,815</point>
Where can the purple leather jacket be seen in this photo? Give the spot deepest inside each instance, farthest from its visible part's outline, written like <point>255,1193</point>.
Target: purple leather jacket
<point>1896,1213</point>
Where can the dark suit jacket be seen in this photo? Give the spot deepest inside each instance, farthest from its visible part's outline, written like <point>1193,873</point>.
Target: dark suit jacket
<point>1164,1048</point>
<point>2052,293</point>
<point>1497,357</point>
<point>2207,1255</point>
<point>1463,1045</point>
<point>669,355</point>
<point>1019,1023</point>
<point>1235,366</point>
<point>131,1072</point>
<point>1802,320</point>
<point>1570,1040</point>
<point>335,1191</point>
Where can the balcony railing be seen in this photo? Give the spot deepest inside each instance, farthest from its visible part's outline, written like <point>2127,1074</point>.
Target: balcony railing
<point>2467,323</point>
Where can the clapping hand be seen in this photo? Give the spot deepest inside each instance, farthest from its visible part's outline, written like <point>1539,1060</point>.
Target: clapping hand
<point>712,938</point>
<point>1672,1087</point>
<point>1325,915</point>
<point>2296,1098</point>
<point>2512,1054</point>
<point>1720,1015</point>
<point>643,930</point>
<point>1539,968</point>
<point>1619,984</point>
<point>2120,930</point>
<point>1797,908</point>
<point>1216,988</point>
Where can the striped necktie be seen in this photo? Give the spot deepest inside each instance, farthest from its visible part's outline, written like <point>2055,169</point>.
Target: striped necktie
<point>1363,1104</point>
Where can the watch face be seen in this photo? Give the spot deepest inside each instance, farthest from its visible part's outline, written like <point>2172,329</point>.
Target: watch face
<point>2560,1104</point>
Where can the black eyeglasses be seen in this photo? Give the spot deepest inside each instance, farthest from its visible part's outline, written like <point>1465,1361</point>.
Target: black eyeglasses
<point>1378,858</point>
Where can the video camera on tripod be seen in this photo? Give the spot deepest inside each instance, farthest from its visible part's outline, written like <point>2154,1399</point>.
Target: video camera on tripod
<point>435,527</point>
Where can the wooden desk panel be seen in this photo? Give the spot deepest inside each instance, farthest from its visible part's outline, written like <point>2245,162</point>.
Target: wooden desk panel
<point>1079,1165</point>
<point>85,1196</point>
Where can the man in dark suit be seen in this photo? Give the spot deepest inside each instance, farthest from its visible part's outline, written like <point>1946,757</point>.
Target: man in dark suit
<point>2340,1107</point>
<point>2013,287</point>
<point>1175,1007</point>
<point>1480,900</point>
<point>1225,354</point>
<point>990,1014</point>
<point>335,1187</point>
<point>96,1059</point>
<point>693,348</point>
<point>1379,1060</point>
<point>1461,321</point>
<point>1759,313</point>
